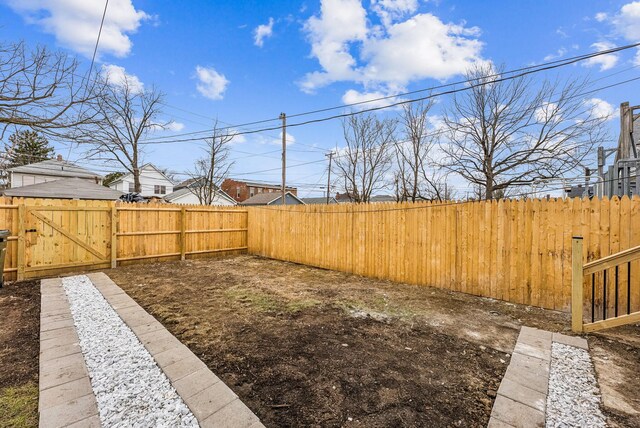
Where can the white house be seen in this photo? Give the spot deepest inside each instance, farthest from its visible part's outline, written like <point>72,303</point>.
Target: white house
<point>153,182</point>
<point>184,194</point>
<point>49,170</point>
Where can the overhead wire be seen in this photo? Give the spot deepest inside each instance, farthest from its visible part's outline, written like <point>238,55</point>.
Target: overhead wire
<point>521,72</point>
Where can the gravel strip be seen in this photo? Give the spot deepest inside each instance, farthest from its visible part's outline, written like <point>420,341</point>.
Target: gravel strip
<point>574,397</point>
<point>130,389</point>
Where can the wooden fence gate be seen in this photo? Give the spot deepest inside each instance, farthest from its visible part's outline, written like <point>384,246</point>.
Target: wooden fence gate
<point>51,237</point>
<point>58,237</point>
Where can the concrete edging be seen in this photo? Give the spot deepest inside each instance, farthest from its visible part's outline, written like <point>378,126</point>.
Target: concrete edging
<point>212,402</point>
<point>65,394</point>
<point>522,397</point>
<point>66,397</point>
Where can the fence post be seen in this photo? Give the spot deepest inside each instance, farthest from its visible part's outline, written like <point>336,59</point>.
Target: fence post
<point>576,284</point>
<point>114,236</point>
<point>21,240</point>
<point>183,228</point>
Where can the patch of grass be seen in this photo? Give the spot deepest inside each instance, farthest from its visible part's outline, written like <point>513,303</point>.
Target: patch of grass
<point>253,298</point>
<point>19,406</point>
<point>300,305</point>
<point>376,305</point>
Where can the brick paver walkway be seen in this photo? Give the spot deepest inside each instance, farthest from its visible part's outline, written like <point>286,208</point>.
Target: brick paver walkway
<point>66,395</point>
<point>522,397</point>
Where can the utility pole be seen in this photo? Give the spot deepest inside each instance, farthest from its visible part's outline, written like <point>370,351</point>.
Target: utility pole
<point>283,117</point>
<point>330,154</point>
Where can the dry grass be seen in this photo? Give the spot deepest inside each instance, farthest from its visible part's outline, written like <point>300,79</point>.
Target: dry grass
<point>19,406</point>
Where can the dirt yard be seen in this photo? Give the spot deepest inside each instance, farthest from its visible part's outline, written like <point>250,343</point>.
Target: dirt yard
<point>310,347</point>
<point>19,350</point>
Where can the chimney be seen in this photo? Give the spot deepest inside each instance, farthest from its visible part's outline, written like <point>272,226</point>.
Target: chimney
<point>59,157</point>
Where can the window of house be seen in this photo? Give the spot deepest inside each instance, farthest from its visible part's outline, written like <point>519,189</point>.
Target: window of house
<point>237,192</point>
<point>251,190</point>
<point>132,188</point>
<point>159,190</point>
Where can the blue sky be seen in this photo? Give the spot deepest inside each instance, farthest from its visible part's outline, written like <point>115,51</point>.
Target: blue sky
<point>208,59</point>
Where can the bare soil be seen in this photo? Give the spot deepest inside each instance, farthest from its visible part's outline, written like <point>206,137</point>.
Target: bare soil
<point>309,347</point>
<point>19,350</point>
<point>616,357</point>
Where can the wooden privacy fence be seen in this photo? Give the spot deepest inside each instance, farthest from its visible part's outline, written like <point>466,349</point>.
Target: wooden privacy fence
<point>55,236</point>
<point>518,251</point>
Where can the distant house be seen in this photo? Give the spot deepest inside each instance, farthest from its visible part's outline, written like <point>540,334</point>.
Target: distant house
<point>319,201</point>
<point>241,190</point>
<point>272,199</point>
<point>186,193</point>
<point>382,198</point>
<point>65,188</point>
<point>343,198</point>
<point>153,182</point>
<point>49,170</point>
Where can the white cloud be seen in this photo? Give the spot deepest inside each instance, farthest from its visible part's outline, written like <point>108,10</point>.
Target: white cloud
<point>391,10</point>
<point>388,57</point>
<point>211,84</point>
<point>175,126</point>
<point>627,22</point>
<point>263,31</point>
<point>167,127</point>
<point>601,16</point>
<point>559,54</point>
<point>262,139</point>
<point>341,22</point>
<point>75,23</point>
<point>546,112</point>
<point>605,62</point>
<point>353,97</point>
<point>601,109</point>
<point>117,76</point>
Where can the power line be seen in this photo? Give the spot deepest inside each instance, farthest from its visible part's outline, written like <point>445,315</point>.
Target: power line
<point>308,122</point>
<point>521,73</point>
<point>93,60</point>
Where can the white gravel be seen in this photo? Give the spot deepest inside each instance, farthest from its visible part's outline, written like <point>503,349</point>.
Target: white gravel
<point>130,389</point>
<point>574,397</point>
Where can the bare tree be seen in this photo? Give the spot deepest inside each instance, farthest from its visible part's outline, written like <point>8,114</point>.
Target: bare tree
<point>363,164</point>
<point>416,175</point>
<point>41,90</point>
<point>213,167</point>
<point>127,113</point>
<point>504,134</point>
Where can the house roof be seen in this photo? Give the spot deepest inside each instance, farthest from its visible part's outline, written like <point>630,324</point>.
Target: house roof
<point>383,198</point>
<point>146,165</point>
<point>185,191</point>
<point>65,188</point>
<point>268,198</point>
<point>318,201</point>
<point>186,183</point>
<point>55,167</point>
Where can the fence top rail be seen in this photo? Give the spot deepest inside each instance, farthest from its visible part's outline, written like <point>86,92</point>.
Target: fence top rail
<point>612,260</point>
<point>218,210</point>
<point>147,209</point>
<point>65,208</point>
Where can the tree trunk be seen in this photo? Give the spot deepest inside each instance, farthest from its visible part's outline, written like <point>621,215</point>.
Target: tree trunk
<point>488,193</point>
<point>136,181</point>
